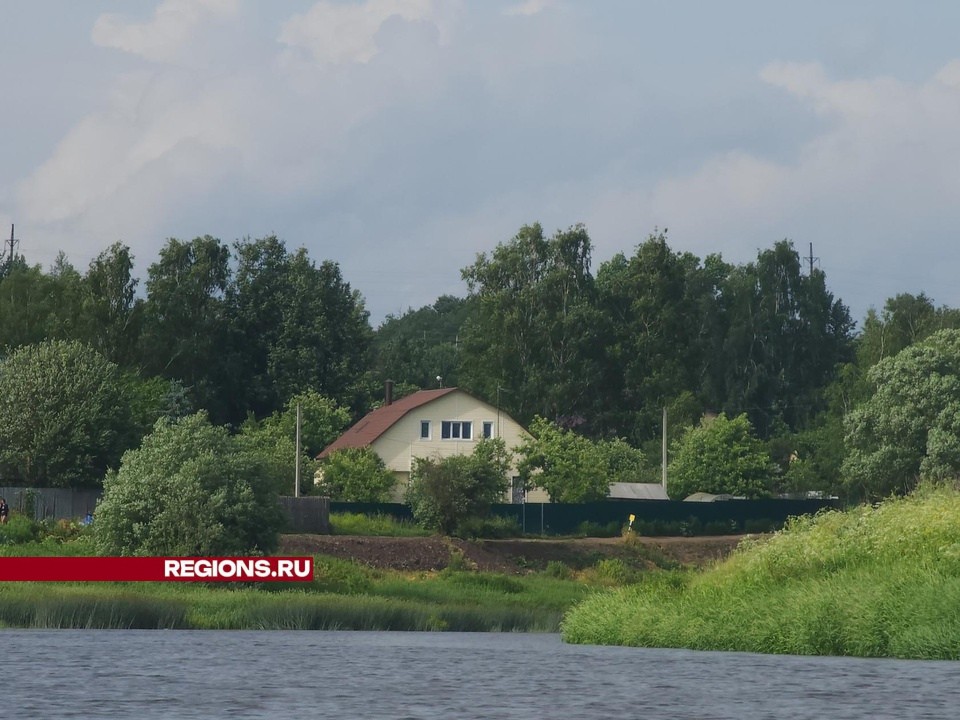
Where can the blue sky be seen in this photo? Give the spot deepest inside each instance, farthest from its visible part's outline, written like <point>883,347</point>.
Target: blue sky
<point>401,137</point>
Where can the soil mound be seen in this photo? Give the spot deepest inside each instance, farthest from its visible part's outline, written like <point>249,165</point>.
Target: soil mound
<point>513,556</point>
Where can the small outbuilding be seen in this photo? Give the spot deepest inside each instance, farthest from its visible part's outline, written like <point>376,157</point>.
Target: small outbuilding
<point>637,491</point>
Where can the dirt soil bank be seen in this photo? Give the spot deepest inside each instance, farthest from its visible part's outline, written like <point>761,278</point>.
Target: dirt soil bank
<point>510,556</point>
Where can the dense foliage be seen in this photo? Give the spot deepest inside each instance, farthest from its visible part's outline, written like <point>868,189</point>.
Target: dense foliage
<point>243,330</point>
<point>910,426</point>
<point>572,468</point>
<point>355,475</point>
<point>721,456</point>
<point>63,417</point>
<point>444,492</point>
<point>190,489</point>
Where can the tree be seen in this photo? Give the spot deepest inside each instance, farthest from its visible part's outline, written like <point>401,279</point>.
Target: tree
<point>356,475</point>
<point>537,332</point>
<point>63,418</point>
<point>274,438</point>
<point>573,468</point>
<point>414,348</point>
<point>190,489</point>
<point>300,325</point>
<point>29,303</point>
<point>111,310</point>
<point>721,456</point>
<point>910,426</point>
<point>322,421</point>
<point>152,398</point>
<point>783,336</point>
<point>444,492</point>
<point>277,456</point>
<point>185,335</point>
<point>662,308</point>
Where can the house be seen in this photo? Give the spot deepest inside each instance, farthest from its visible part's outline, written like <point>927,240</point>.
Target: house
<point>429,424</point>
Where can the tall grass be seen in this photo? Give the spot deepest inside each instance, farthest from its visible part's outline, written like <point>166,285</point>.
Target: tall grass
<point>342,595</point>
<point>875,581</point>
<point>385,525</point>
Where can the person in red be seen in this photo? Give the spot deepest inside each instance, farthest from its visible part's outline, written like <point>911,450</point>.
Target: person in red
<point>4,511</point>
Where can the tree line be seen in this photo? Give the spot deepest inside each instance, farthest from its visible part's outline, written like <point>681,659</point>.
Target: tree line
<point>242,332</point>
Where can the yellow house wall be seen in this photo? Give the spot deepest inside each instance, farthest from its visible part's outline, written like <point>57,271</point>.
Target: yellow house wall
<point>399,445</point>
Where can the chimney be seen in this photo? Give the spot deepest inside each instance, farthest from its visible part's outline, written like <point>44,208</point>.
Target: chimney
<point>388,393</point>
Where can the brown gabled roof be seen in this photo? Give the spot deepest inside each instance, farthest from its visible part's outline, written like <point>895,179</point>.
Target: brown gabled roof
<point>376,423</point>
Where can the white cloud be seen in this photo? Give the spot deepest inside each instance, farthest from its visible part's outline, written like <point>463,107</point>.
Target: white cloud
<point>874,188</point>
<point>150,121</point>
<point>400,137</point>
<point>334,33</point>
<point>165,37</point>
<point>529,7</point>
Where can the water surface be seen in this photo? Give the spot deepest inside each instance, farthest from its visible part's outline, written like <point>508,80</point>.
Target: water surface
<point>238,674</point>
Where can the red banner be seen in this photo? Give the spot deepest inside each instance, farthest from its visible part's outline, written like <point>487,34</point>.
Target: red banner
<point>162,569</point>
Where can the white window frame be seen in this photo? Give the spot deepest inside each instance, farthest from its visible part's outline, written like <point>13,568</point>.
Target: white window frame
<point>456,426</point>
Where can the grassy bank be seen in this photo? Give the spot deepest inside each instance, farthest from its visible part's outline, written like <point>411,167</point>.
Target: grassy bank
<point>343,595</point>
<point>879,581</point>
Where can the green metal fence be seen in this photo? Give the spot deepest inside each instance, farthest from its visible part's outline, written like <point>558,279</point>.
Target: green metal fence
<point>563,519</point>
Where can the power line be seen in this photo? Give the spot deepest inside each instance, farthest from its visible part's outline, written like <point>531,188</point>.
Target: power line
<point>811,259</point>
<point>9,255</point>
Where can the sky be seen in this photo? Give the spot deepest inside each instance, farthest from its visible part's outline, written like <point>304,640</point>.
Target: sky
<point>399,138</point>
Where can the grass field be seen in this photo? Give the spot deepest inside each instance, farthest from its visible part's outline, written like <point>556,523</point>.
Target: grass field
<point>876,581</point>
<point>342,595</point>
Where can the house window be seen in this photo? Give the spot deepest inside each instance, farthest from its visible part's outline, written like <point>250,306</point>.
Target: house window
<point>487,429</point>
<point>456,430</point>
<point>424,429</point>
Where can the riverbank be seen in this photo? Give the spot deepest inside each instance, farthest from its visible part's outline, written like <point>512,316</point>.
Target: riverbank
<point>515,556</point>
<point>876,581</point>
<point>365,583</point>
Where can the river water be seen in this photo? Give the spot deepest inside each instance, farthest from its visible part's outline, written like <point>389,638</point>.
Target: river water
<point>454,676</point>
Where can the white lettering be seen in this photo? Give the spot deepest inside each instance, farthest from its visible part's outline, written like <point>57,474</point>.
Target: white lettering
<point>305,571</point>
<point>263,568</point>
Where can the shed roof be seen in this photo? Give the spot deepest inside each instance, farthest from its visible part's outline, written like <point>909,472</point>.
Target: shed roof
<point>710,497</point>
<point>377,422</point>
<point>637,491</point>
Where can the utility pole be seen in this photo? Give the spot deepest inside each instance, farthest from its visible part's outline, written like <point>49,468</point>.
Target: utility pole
<point>9,253</point>
<point>810,259</point>
<point>663,458</point>
<point>296,476</point>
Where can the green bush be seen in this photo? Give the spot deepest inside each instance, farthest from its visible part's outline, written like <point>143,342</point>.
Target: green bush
<point>722,456</point>
<point>356,475</point>
<point>444,492</point>
<point>588,528</point>
<point>18,529</point>
<point>344,577</point>
<point>489,527</point>
<point>379,524</point>
<point>721,527</point>
<point>484,582</point>
<point>658,528</point>
<point>614,571</point>
<point>190,489</point>
<point>558,570</point>
<point>761,525</point>
<point>63,418</point>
